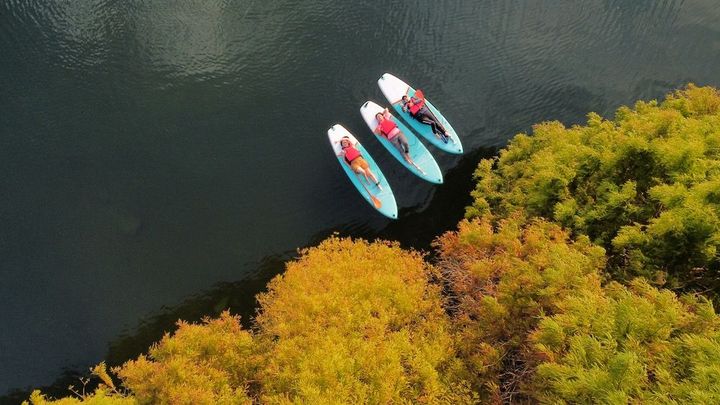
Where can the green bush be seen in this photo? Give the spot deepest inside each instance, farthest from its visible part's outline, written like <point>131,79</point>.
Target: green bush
<point>536,325</point>
<point>349,322</point>
<point>646,185</point>
<point>629,345</point>
<point>357,322</point>
<point>502,283</point>
<point>209,363</point>
<point>101,396</point>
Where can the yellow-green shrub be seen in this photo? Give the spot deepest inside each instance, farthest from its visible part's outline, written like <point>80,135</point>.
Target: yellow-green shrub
<point>209,363</point>
<point>101,396</point>
<point>629,345</point>
<point>646,185</point>
<point>349,322</point>
<point>105,394</point>
<point>357,322</point>
<point>503,282</point>
<point>536,324</point>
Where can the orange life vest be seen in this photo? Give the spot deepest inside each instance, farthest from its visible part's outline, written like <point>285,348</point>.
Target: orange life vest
<point>386,126</point>
<point>416,107</point>
<point>419,95</point>
<point>351,154</point>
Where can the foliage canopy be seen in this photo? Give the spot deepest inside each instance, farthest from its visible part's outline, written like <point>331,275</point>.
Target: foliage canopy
<point>349,322</point>
<point>358,322</point>
<point>536,324</point>
<point>528,314</point>
<point>646,185</point>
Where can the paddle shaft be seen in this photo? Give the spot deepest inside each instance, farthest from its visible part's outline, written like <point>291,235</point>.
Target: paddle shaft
<point>376,202</point>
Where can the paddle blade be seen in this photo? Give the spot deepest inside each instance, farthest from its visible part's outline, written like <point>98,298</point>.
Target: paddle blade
<point>376,201</point>
<point>419,94</point>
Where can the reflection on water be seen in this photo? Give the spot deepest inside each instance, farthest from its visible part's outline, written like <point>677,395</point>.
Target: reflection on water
<point>151,150</point>
<point>416,229</point>
<point>237,297</point>
<point>83,31</point>
<point>192,38</point>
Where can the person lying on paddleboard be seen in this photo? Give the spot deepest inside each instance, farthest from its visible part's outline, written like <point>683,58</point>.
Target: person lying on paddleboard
<point>353,157</point>
<point>389,129</point>
<point>416,107</point>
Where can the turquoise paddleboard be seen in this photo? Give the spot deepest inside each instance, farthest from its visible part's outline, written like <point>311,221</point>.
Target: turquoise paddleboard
<point>427,168</point>
<point>383,194</point>
<point>393,89</point>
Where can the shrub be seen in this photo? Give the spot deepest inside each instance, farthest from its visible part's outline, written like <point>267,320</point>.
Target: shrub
<point>502,283</point>
<point>349,322</point>
<point>629,345</point>
<point>358,322</point>
<point>537,325</point>
<point>645,185</point>
<point>209,363</point>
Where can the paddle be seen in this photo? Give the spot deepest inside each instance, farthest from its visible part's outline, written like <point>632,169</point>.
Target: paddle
<point>419,94</point>
<point>376,202</point>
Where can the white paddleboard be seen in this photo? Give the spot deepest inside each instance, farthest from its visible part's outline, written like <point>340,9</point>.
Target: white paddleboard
<point>394,89</point>
<point>367,190</point>
<point>425,165</point>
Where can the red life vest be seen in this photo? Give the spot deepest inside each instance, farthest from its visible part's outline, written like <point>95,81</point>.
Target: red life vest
<point>351,154</point>
<point>416,107</point>
<point>386,126</point>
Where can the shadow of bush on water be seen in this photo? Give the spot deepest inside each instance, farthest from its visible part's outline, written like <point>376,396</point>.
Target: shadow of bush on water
<point>416,228</point>
<point>238,297</point>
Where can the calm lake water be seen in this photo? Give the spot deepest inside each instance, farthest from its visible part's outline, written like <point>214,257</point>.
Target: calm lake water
<point>161,159</point>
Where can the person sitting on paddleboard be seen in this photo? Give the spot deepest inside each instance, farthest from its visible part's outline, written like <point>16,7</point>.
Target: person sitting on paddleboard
<point>389,129</point>
<point>416,107</point>
<point>355,160</point>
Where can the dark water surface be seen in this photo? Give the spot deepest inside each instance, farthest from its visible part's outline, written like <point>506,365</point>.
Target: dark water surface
<point>160,159</point>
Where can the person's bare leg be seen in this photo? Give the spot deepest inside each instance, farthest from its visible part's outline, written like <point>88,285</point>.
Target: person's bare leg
<point>374,178</point>
<point>406,155</point>
<point>362,171</point>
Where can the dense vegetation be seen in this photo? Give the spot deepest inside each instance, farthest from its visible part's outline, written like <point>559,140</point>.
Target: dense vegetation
<point>646,186</point>
<point>358,323</point>
<point>537,325</point>
<point>350,322</point>
<point>502,284</point>
<point>518,306</point>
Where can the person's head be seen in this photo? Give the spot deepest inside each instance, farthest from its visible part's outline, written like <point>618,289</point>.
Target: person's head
<point>379,117</point>
<point>405,99</point>
<point>344,142</point>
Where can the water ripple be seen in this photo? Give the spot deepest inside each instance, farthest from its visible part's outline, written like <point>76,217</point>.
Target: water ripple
<point>198,127</point>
